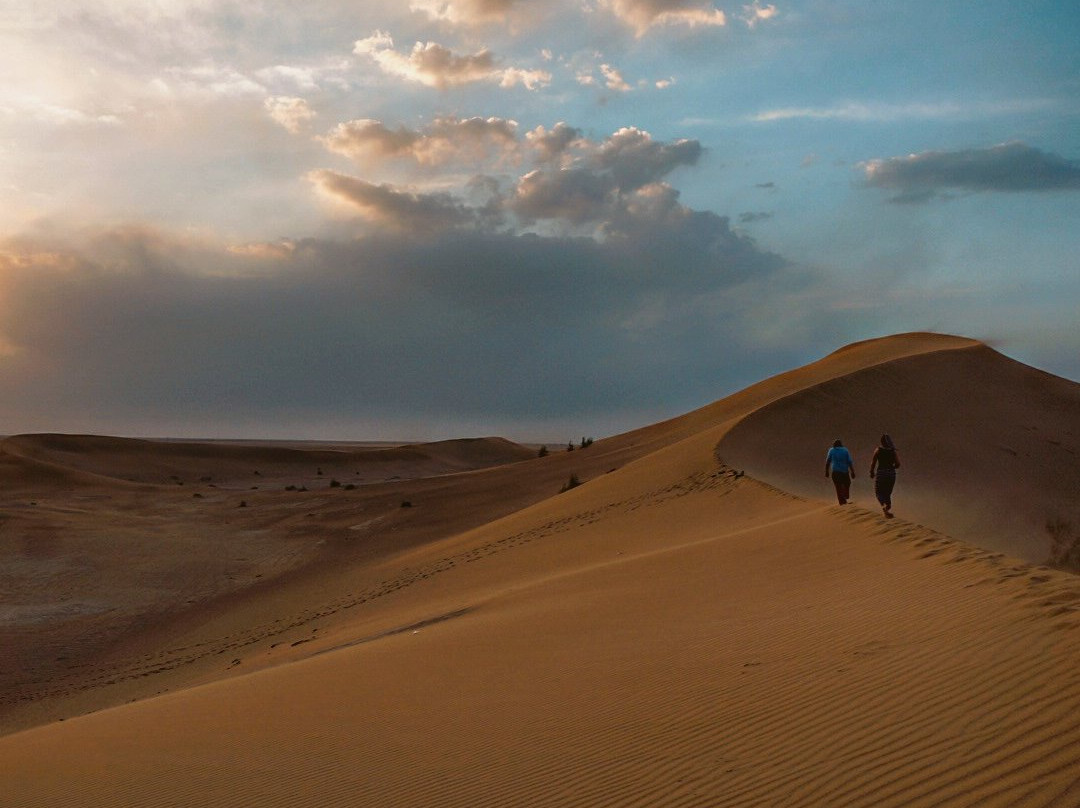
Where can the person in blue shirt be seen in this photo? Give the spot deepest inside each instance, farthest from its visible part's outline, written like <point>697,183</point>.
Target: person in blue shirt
<point>841,467</point>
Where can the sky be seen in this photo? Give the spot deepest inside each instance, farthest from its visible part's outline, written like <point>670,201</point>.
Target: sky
<point>425,219</point>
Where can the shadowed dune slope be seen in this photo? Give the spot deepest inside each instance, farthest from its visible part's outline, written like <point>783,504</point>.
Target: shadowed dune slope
<point>990,448</point>
<point>670,633</point>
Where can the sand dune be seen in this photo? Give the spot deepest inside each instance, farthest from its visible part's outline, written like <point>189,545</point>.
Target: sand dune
<point>231,464</point>
<point>990,448</point>
<point>673,632</point>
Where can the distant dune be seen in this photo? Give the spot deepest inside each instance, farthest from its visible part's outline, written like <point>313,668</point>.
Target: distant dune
<point>232,464</point>
<point>698,623</point>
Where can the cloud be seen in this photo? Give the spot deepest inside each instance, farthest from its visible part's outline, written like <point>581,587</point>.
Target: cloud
<point>755,13</point>
<point>404,211</point>
<point>635,159</point>
<point>445,140</point>
<point>139,332</point>
<point>643,15</point>
<point>303,78</point>
<point>573,195</point>
<point>577,181</point>
<point>749,217</point>
<point>467,12</point>
<point>1009,167</point>
<point>888,113</point>
<point>50,114</point>
<point>613,182</point>
<point>436,66</point>
<point>613,79</point>
<point>552,146</point>
<point>217,81</point>
<point>292,113</point>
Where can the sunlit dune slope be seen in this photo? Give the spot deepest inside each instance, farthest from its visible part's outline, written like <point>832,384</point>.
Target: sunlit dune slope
<point>104,566</point>
<point>670,633</point>
<point>990,448</point>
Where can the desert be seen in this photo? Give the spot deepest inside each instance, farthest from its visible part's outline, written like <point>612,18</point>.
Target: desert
<point>698,622</point>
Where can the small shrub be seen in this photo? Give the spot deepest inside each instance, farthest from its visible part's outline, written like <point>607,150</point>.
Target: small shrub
<point>573,482</point>
<point>406,504</point>
<point>543,452</point>
<point>335,484</point>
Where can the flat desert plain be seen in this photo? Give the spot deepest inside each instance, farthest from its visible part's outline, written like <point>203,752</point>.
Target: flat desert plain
<point>698,623</point>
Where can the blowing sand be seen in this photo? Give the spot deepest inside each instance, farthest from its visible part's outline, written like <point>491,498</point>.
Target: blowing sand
<point>674,632</point>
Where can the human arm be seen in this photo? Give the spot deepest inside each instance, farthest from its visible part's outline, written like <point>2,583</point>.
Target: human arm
<point>873,463</point>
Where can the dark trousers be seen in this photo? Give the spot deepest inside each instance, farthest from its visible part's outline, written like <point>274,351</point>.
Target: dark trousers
<point>883,486</point>
<point>842,481</point>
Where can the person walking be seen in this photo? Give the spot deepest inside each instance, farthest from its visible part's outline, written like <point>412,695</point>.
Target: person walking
<point>884,463</point>
<point>841,467</point>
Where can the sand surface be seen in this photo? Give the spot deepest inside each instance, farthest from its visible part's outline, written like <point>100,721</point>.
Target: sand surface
<point>699,624</point>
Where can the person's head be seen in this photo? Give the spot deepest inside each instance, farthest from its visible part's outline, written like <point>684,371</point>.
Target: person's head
<point>886,441</point>
<point>837,443</point>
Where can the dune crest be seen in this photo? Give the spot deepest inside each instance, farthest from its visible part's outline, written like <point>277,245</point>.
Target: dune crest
<point>990,447</point>
<point>681,629</point>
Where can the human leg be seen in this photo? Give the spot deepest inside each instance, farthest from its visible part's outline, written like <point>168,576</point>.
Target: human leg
<point>883,488</point>
<point>842,483</point>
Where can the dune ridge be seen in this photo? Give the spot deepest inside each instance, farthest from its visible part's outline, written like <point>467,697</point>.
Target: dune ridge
<point>674,632</point>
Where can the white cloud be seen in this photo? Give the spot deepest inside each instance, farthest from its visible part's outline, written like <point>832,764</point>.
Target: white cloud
<point>552,146</point>
<point>578,182</point>
<point>755,13</point>
<point>434,65</point>
<point>447,139</point>
<point>292,113</point>
<point>529,79</point>
<point>885,113</point>
<point>643,15</point>
<point>402,210</point>
<point>217,80</point>
<point>466,12</point>
<point>46,112</point>
<point>303,78</point>
<point>613,79</point>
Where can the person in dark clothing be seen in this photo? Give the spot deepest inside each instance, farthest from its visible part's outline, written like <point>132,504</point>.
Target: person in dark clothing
<point>841,467</point>
<point>884,464</point>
